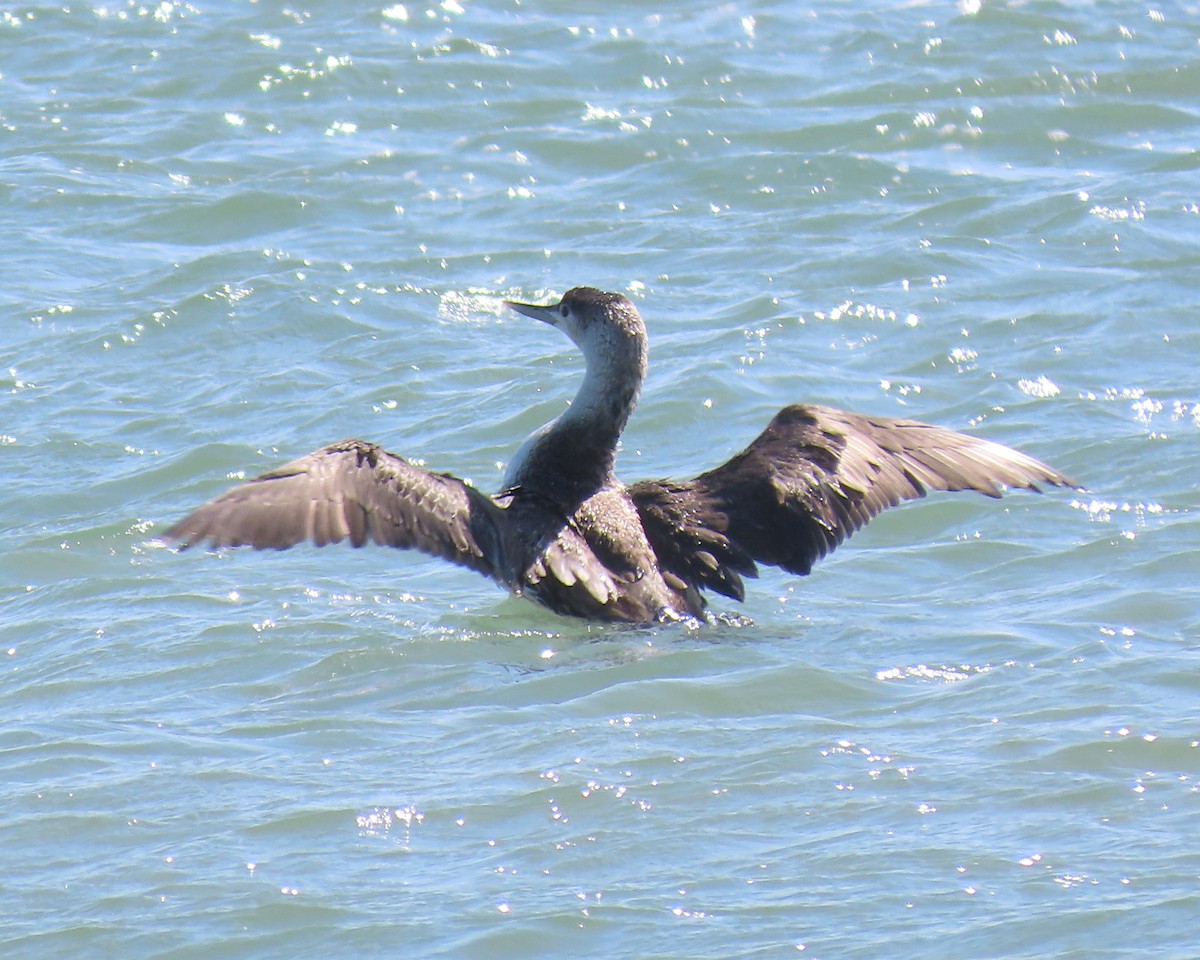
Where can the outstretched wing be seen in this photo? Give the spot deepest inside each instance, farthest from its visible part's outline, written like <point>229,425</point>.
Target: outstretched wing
<point>356,491</point>
<point>812,478</point>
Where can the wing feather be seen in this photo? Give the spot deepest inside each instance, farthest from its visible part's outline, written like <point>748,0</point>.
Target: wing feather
<point>810,479</point>
<point>356,491</point>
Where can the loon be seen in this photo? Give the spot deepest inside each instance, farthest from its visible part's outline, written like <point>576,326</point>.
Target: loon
<point>565,532</point>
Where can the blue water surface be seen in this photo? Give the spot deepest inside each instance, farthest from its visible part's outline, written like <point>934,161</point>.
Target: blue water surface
<point>234,232</point>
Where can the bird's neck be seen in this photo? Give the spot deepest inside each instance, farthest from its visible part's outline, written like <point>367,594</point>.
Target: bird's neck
<point>577,451</point>
<point>605,400</point>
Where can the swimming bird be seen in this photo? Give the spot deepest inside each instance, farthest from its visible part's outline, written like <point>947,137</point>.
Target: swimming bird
<point>564,531</point>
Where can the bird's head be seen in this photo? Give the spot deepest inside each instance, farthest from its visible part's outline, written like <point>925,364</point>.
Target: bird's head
<point>605,326</point>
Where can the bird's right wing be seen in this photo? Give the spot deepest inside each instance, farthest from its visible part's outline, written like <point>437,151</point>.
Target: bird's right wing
<point>806,483</point>
<point>356,491</point>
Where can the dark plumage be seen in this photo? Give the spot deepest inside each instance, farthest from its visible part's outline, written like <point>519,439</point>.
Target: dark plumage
<point>567,533</point>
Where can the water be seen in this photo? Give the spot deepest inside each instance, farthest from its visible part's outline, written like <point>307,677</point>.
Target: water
<point>236,232</point>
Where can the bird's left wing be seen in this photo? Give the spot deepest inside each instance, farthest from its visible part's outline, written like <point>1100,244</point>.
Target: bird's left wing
<point>356,491</point>
<point>807,482</point>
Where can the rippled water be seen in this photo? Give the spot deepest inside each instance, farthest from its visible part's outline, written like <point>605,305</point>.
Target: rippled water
<point>235,232</point>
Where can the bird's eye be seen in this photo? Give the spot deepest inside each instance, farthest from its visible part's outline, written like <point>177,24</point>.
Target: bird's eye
<point>563,309</point>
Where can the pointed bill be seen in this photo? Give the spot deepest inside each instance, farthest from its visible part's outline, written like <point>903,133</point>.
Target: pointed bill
<point>547,314</point>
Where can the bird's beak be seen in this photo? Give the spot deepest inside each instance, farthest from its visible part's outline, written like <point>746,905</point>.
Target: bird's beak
<point>545,314</point>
